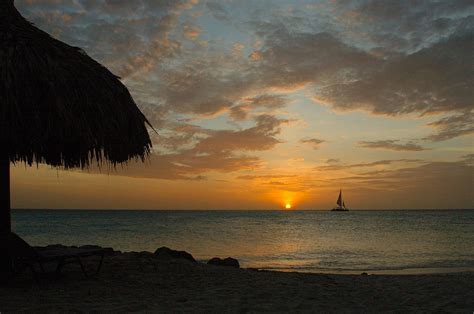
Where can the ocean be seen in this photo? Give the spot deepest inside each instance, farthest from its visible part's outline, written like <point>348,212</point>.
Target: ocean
<point>384,241</point>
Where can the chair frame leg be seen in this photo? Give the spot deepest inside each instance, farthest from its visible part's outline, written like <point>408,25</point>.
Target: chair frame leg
<point>79,261</point>
<point>100,264</point>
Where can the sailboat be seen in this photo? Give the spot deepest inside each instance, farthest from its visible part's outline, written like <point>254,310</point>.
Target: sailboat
<point>341,205</point>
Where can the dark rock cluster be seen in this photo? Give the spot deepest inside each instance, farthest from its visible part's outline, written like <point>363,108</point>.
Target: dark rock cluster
<point>166,253</point>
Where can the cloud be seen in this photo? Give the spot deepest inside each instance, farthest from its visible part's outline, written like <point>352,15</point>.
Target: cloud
<point>395,184</point>
<point>392,145</point>
<point>265,177</point>
<point>127,36</point>
<point>191,32</point>
<point>217,10</point>
<point>400,26</point>
<point>347,59</point>
<point>314,142</point>
<point>256,55</point>
<point>425,185</point>
<point>266,103</point>
<point>282,182</point>
<point>186,165</point>
<point>432,75</point>
<point>366,165</point>
<point>433,80</point>
<point>204,87</point>
<point>197,151</point>
<point>277,183</point>
<point>258,138</point>
<point>426,78</point>
<point>387,58</point>
<point>452,126</point>
<point>292,60</point>
<point>414,187</point>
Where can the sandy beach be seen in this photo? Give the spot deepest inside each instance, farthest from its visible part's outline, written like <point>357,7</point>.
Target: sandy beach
<point>140,282</point>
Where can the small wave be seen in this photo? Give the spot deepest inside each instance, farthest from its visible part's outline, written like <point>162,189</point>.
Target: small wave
<point>375,269</point>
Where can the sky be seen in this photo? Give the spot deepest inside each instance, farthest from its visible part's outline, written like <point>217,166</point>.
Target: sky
<point>259,104</point>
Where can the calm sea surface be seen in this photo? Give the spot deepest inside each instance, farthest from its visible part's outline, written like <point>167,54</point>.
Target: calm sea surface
<point>310,241</point>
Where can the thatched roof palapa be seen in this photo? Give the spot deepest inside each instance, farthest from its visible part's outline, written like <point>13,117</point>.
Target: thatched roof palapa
<point>58,105</point>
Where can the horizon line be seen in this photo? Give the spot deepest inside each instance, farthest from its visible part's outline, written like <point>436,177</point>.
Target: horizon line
<point>211,209</point>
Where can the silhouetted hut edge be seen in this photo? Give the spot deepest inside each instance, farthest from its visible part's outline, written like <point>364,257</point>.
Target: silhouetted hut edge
<point>58,105</point>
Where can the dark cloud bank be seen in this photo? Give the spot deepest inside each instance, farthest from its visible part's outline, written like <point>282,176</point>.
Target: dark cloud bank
<point>386,58</point>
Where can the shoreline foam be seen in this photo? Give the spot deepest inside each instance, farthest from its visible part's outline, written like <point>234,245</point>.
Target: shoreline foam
<point>404,271</point>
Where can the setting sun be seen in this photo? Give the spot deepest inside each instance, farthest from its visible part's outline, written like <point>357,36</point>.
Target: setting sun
<point>288,206</point>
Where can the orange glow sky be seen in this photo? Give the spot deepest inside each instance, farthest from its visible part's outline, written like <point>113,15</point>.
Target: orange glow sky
<point>260,105</point>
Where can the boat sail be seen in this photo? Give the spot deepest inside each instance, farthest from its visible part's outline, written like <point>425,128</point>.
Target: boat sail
<point>341,205</point>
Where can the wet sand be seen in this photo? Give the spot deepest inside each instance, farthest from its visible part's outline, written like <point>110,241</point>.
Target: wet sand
<point>133,282</point>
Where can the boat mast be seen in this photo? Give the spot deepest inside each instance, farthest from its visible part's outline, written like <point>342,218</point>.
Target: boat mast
<point>339,199</point>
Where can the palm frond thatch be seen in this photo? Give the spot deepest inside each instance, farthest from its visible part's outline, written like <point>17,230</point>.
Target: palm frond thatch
<point>58,105</point>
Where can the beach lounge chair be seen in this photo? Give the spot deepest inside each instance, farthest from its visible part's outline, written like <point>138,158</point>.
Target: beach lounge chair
<point>24,256</point>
